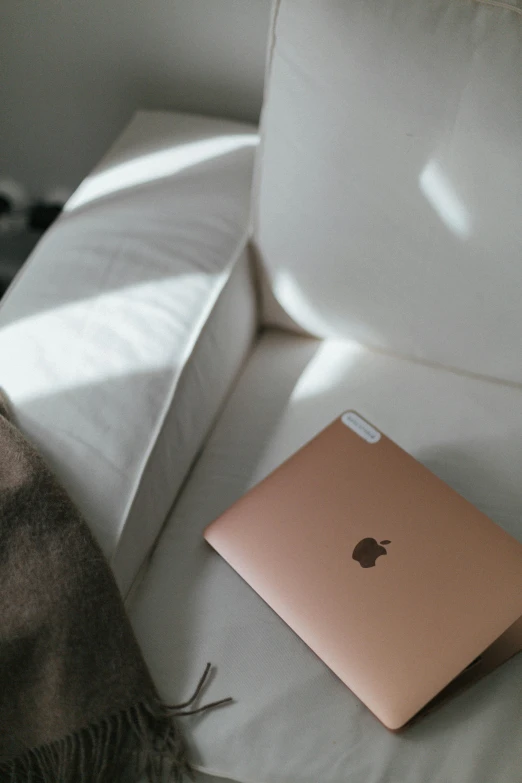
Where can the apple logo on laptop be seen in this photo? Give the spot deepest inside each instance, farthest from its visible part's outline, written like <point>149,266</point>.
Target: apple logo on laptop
<point>368,550</point>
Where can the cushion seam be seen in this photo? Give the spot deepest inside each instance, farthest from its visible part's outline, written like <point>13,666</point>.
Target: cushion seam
<point>256,185</point>
<point>476,376</point>
<point>499,4</point>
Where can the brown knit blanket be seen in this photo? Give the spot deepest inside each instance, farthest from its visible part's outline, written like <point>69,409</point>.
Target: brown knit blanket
<point>77,704</point>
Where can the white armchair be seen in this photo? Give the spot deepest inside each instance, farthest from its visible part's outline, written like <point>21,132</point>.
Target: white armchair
<point>164,364</point>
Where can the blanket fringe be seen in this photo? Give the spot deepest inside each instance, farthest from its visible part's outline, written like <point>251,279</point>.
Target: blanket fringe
<point>140,743</point>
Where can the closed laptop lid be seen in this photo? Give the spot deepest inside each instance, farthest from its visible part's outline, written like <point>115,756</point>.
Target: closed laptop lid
<point>392,578</point>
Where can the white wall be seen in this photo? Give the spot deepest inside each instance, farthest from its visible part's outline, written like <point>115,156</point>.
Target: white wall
<point>73,71</point>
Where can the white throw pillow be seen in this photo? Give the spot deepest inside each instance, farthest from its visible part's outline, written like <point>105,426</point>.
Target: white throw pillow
<point>390,181</point>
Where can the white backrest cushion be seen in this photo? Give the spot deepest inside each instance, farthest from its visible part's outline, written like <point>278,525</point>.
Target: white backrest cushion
<point>389,196</point>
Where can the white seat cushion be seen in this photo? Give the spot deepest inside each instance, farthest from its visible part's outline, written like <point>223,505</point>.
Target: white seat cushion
<point>293,721</point>
<point>109,337</point>
<point>390,194</point>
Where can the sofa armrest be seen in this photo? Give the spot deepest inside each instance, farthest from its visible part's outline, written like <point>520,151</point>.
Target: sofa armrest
<point>122,335</point>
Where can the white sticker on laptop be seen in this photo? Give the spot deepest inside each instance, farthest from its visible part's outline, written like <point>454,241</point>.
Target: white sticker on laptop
<point>361,427</point>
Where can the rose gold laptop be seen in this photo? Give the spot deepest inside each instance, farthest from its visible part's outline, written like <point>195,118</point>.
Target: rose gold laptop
<point>403,588</point>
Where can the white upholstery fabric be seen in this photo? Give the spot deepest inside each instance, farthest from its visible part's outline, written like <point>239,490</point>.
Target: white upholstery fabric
<point>122,335</point>
<point>390,178</point>
<point>293,721</point>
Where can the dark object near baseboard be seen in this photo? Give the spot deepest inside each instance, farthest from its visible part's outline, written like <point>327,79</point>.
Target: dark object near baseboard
<point>41,216</point>
<point>5,204</point>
